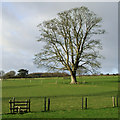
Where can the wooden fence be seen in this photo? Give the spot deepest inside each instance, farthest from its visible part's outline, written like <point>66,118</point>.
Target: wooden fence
<point>84,103</point>
<point>48,103</point>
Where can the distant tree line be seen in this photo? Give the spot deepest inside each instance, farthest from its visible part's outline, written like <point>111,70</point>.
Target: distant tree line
<point>23,73</point>
<point>56,74</point>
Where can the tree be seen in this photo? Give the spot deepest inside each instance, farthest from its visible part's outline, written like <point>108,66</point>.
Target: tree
<point>22,73</point>
<point>10,74</point>
<point>1,73</point>
<point>69,43</point>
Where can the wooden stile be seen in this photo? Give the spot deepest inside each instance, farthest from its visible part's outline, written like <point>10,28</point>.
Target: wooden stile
<point>19,106</point>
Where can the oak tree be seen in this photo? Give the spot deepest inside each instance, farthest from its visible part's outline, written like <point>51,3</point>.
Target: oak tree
<point>69,42</point>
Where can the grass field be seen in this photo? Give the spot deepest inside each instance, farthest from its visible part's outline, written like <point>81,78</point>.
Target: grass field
<point>65,98</point>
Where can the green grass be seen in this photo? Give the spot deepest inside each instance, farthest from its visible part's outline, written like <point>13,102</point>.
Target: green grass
<point>65,98</point>
<point>94,113</point>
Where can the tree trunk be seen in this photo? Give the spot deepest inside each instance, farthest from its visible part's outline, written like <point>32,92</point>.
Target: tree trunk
<point>73,78</point>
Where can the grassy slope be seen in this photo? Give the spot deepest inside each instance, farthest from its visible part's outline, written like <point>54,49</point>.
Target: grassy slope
<point>67,102</point>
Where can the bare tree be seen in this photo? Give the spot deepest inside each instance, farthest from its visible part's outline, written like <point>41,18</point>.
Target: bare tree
<point>69,43</point>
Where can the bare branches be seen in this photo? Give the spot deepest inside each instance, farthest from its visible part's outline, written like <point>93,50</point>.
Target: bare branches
<point>68,43</point>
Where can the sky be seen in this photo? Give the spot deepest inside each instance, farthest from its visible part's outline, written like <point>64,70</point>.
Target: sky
<point>18,43</point>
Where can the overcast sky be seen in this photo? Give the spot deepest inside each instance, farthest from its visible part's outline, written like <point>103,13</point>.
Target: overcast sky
<point>20,33</point>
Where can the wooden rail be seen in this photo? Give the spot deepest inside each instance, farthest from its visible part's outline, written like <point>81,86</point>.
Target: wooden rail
<point>19,106</point>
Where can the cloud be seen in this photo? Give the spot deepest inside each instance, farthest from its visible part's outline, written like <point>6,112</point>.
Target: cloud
<point>20,32</point>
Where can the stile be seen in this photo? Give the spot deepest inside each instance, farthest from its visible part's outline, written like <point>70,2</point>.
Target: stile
<point>19,106</point>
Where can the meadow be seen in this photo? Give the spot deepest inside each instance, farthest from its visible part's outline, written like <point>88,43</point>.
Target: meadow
<point>65,98</point>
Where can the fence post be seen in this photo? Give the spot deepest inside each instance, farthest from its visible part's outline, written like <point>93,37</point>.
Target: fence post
<point>48,104</point>
<point>45,104</point>
<point>82,103</point>
<point>117,101</point>
<point>56,81</point>
<point>85,103</point>
<point>17,109</point>
<point>113,99</point>
<point>29,104</point>
<point>13,104</point>
<point>10,102</point>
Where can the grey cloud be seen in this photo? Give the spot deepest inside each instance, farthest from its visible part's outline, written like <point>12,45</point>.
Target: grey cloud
<point>20,32</point>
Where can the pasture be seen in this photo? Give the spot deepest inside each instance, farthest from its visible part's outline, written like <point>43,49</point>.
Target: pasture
<point>65,98</point>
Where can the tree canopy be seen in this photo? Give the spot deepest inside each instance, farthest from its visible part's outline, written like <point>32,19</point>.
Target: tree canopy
<point>22,73</point>
<point>10,74</point>
<point>69,43</point>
